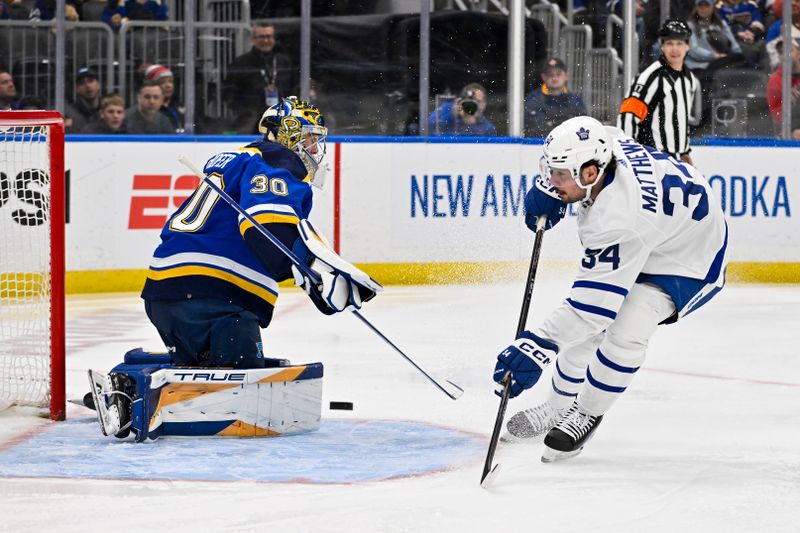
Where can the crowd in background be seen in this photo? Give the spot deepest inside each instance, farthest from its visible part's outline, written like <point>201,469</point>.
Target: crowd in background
<point>727,36</point>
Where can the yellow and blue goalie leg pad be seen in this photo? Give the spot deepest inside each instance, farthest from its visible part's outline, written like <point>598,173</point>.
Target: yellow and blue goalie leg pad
<point>229,402</point>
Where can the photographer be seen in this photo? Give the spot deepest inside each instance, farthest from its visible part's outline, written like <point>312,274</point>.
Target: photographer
<point>464,115</point>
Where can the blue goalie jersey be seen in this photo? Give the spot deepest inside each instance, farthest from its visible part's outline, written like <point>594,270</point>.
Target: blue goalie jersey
<point>208,250</point>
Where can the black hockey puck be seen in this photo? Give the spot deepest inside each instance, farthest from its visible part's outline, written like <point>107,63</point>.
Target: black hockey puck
<point>343,406</point>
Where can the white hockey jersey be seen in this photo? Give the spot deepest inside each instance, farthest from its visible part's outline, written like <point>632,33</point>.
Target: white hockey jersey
<point>656,220</point>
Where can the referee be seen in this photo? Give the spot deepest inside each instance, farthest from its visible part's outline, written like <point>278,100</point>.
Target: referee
<point>656,111</point>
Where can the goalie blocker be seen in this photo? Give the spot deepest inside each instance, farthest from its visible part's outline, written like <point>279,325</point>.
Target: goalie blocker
<point>150,397</point>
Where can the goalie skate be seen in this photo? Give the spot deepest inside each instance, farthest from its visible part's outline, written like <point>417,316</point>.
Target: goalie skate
<point>570,435</point>
<point>530,424</point>
<point>111,403</point>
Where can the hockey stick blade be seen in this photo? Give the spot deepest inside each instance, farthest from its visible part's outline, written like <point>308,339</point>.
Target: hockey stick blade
<point>454,391</point>
<point>488,479</point>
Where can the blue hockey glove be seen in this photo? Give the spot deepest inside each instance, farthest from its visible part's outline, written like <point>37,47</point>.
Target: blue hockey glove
<point>542,201</point>
<point>525,359</point>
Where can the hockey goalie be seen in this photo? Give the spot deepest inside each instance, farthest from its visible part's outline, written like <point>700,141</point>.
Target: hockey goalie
<point>212,286</point>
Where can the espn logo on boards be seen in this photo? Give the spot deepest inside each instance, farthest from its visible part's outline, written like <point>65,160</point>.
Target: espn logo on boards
<point>155,196</point>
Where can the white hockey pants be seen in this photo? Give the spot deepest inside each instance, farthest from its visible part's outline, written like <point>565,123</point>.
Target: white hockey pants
<point>599,370</point>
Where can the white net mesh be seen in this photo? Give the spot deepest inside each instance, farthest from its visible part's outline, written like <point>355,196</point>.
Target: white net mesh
<point>24,265</point>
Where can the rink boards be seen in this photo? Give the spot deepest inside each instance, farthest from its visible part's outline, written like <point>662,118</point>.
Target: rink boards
<point>409,211</point>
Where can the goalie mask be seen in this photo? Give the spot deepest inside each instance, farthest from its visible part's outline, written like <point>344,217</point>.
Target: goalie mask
<point>570,146</point>
<point>300,127</point>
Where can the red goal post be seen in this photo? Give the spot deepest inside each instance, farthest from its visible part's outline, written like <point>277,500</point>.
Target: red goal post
<point>32,223</point>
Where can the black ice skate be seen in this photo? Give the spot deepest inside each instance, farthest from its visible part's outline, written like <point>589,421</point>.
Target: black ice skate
<point>530,424</point>
<point>570,435</point>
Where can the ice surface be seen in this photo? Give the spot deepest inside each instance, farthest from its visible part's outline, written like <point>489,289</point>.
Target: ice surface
<point>342,451</point>
<point>705,439</point>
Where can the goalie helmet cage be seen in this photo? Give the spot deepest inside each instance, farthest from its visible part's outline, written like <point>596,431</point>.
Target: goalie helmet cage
<point>32,222</point>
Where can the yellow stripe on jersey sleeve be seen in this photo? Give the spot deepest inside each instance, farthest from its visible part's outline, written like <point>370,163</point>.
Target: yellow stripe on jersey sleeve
<point>197,270</point>
<point>268,218</point>
<point>250,150</point>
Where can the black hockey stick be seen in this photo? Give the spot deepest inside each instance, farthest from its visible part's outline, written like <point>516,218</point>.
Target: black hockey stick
<point>452,390</point>
<point>489,472</point>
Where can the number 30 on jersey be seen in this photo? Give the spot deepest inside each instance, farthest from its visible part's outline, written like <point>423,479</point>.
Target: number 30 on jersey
<point>262,184</point>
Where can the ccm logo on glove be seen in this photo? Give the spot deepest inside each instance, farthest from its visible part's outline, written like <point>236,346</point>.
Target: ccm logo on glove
<point>531,350</point>
<point>524,360</point>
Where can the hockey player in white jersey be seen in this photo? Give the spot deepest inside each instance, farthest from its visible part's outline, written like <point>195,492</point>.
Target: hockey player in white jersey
<point>655,242</point>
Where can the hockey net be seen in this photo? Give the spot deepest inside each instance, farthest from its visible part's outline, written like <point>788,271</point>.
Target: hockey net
<point>32,260</point>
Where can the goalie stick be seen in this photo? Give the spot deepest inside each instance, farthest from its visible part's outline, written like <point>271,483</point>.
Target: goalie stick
<point>489,472</point>
<point>452,390</point>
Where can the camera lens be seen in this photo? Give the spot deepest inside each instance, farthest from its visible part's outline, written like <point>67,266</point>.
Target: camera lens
<point>726,113</point>
<point>470,107</point>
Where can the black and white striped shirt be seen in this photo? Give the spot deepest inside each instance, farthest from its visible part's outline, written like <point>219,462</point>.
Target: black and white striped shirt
<point>656,111</point>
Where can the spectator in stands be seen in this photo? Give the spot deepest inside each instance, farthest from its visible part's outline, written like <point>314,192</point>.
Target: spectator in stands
<point>774,89</point>
<point>776,28</point>
<point>257,79</point>
<point>8,92</point>
<point>13,10</point>
<point>551,103</point>
<point>144,117</point>
<point>87,102</point>
<point>46,10</point>
<point>616,7</point>
<point>711,48</point>
<point>111,119</point>
<point>744,19</point>
<point>170,108</point>
<point>712,39</point>
<point>594,14</point>
<point>119,11</point>
<point>464,115</point>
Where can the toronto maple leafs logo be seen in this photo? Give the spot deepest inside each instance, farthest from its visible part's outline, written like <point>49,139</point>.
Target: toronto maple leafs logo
<point>548,140</point>
<point>583,134</point>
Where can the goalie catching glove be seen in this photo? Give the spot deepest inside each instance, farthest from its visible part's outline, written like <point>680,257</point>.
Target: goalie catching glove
<point>342,287</point>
